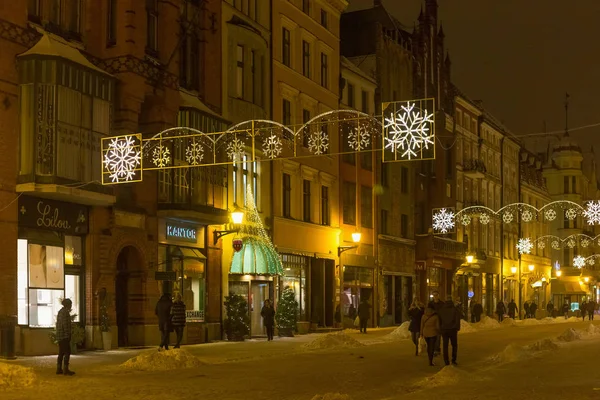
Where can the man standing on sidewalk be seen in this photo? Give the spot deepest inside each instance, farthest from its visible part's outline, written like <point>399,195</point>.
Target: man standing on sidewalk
<point>163,312</point>
<point>178,318</point>
<point>436,304</point>
<point>449,326</point>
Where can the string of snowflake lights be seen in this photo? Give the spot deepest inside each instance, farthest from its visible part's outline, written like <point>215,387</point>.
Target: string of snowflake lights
<point>579,262</point>
<point>122,158</point>
<point>409,131</point>
<point>570,241</point>
<point>524,246</point>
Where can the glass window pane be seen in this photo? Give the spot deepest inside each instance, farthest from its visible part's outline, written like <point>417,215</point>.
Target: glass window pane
<point>73,251</point>
<point>46,268</point>
<point>194,289</point>
<point>72,291</point>
<point>44,306</point>
<point>295,271</point>
<point>22,281</point>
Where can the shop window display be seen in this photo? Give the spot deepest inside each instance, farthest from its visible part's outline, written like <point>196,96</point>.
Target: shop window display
<point>295,269</point>
<point>358,285</point>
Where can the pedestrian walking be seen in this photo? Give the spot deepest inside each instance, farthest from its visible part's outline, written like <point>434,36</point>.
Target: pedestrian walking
<point>415,313</point>
<point>565,310</point>
<point>500,310</point>
<point>436,304</point>
<point>449,327</point>
<point>63,337</point>
<point>532,309</point>
<point>163,312</point>
<point>477,311</point>
<point>268,315</point>
<point>526,309</point>
<point>591,309</point>
<point>583,309</point>
<point>430,331</point>
<point>550,309</point>
<point>512,309</point>
<point>178,318</point>
<point>363,315</point>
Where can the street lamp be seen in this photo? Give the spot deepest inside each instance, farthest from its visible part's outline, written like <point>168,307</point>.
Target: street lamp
<point>531,267</point>
<point>586,279</point>
<point>470,259</point>
<point>355,238</point>
<point>513,270</point>
<point>237,216</point>
<point>558,273</point>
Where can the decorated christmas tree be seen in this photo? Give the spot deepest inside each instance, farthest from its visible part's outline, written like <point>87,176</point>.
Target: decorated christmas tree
<point>237,323</point>
<point>287,313</point>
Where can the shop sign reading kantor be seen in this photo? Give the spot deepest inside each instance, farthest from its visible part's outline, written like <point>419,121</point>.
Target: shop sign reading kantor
<point>181,232</point>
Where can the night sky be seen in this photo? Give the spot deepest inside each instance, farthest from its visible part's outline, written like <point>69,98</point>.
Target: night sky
<point>520,57</point>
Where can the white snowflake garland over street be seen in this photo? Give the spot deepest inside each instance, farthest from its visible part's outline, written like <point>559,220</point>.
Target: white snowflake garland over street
<point>443,220</point>
<point>541,245</point>
<point>484,219</point>
<point>579,262</point>
<point>272,147</point>
<point>524,246</point>
<point>571,213</point>
<point>556,245</point>
<point>318,143</point>
<point>507,217</point>
<point>235,150</point>
<point>465,219</point>
<point>592,212</point>
<point>194,153</point>
<point>550,215</point>
<point>584,242</point>
<point>122,158</point>
<point>359,138</point>
<point>526,216</point>
<point>591,261</point>
<point>571,243</point>
<point>161,156</point>
<point>409,131</point>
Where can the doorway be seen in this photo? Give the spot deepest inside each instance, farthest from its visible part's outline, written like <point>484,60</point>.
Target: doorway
<point>259,292</point>
<point>127,261</point>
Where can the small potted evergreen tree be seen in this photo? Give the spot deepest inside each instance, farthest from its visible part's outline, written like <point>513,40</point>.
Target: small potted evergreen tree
<point>237,323</point>
<point>105,327</point>
<point>287,313</point>
<point>77,335</point>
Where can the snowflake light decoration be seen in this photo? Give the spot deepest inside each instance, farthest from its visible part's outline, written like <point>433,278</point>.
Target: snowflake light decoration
<point>592,212</point>
<point>443,220</point>
<point>122,158</point>
<point>584,242</point>
<point>555,244</point>
<point>571,243</point>
<point>507,217</point>
<point>408,131</point>
<point>526,216</point>
<point>484,219</point>
<point>541,245</point>
<point>235,150</point>
<point>571,213</point>
<point>272,146</point>
<point>194,153</point>
<point>550,215</point>
<point>359,138</point>
<point>465,219</point>
<point>524,246</point>
<point>318,143</point>
<point>591,261</point>
<point>579,262</point>
<point>161,156</point>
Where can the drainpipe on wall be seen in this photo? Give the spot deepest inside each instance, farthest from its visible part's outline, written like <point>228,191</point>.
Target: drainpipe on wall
<point>272,167</point>
<point>501,221</point>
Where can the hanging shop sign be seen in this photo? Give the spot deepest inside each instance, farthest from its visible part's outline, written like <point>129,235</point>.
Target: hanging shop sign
<point>68,218</point>
<point>181,232</point>
<point>238,244</point>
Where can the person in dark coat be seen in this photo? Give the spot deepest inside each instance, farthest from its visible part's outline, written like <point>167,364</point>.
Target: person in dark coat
<point>436,304</point>
<point>500,310</point>
<point>550,309</point>
<point>512,309</point>
<point>163,312</point>
<point>591,309</point>
<point>268,315</point>
<point>532,309</point>
<point>415,313</point>
<point>526,309</point>
<point>565,310</point>
<point>363,315</point>
<point>63,337</point>
<point>477,311</point>
<point>583,307</point>
<point>449,326</point>
<point>178,318</point>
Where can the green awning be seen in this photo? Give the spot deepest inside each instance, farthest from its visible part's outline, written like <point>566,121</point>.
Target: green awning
<point>256,258</point>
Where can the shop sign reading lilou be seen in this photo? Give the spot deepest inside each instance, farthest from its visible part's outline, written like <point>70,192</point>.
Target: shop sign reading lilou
<point>54,215</point>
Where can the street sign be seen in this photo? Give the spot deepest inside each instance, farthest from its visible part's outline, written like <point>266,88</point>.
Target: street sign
<point>165,275</point>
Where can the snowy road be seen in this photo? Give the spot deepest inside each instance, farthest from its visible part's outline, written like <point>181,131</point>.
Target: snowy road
<point>381,369</point>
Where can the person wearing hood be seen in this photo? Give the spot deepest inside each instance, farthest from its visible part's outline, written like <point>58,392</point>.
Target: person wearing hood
<point>430,330</point>
<point>415,312</point>
<point>449,327</point>
<point>163,312</point>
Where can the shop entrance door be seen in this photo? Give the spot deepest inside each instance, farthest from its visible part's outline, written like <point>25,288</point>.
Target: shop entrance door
<point>317,277</point>
<point>329,287</point>
<point>259,292</point>
<point>398,303</point>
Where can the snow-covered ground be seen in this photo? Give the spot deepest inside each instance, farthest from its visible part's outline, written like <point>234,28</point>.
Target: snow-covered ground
<point>493,359</point>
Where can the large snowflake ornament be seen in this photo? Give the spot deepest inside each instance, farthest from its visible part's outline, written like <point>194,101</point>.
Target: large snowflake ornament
<point>555,245</point>
<point>443,220</point>
<point>484,219</point>
<point>235,150</point>
<point>524,246</point>
<point>272,146</point>
<point>550,214</point>
<point>409,131</point>
<point>465,219</point>
<point>571,213</point>
<point>526,216</point>
<point>161,156</point>
<point>507,217</point>
<point>579,262</point>
<point>194,153</point>
<point>592,212</point>
<point>359,138</point>
<point>122,159</point>
<point>318,143</point>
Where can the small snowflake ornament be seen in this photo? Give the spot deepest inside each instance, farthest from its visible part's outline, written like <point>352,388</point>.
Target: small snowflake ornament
<point>584,242</point>
<point>579,262</point>
<point>555,245</point>
<point>524,246</point>
<point>526,216</point>
<point>194,153</point>
<point>571,213</point>
<point>550,215</point>
<point>408,131</point>
<point>443,220</point>
<point>122,159</point>
<point>318,143</point>
<point>359,138</point>
<point>161,156</point>
<point>235,150</point>
<point>541,245</point>
<point>507,217</point>
<point>484,219</point>
<point>571,243</point>
<point>465,219</point>
<point>591,261</point>
<point>592,212</point>
<point>272,147</point>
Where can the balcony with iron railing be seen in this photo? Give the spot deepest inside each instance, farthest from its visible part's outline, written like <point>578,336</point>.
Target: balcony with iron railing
<point>474,168</point>
<point>427,244</point>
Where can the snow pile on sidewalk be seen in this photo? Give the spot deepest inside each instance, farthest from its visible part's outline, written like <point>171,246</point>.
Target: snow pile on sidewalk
<point>570,335</point>
<point>513,352</point>
<point>14,376</point>
<point>332,396</point>
<point>542,345</point>
<point>466,327</point>
<point>449,375</point>
<point>401,332</point>
<point>487,323</point>
<point>509,322</point>
<point>334,340</point>
<point>153,360</point>
<point>592,330</point>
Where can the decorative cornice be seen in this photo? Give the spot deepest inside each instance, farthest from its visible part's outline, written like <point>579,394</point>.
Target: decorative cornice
<point>26,37</point>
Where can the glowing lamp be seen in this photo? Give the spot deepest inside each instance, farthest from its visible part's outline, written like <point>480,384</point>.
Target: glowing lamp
<point>558,273</point>
<point>543,279</point>
<point>531,267</point>
<point>356,237</point>
<point>237,217</point>
<point>513,270</point>
<point>586,279</point>
<point>68,255</point>
<point>470,259</point>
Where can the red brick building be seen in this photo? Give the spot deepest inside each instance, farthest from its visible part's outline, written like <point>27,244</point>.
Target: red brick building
<point>74,71</point>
